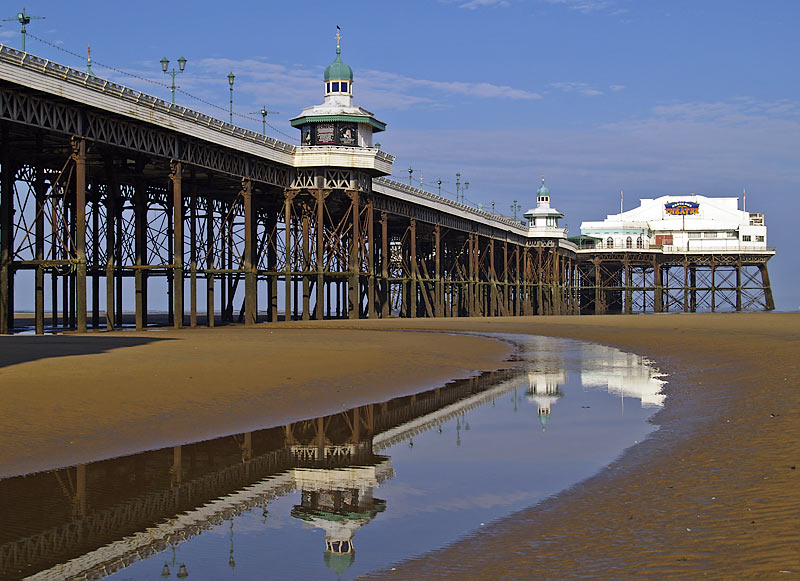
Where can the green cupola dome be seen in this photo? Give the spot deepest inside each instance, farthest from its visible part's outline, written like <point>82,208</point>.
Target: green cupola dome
<point>543,189</point>
<point>338,70</point>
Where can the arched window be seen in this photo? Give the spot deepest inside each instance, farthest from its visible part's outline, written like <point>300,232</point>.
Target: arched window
<point>629,242</point>
<point>639,242</point>
<point>609,242</point>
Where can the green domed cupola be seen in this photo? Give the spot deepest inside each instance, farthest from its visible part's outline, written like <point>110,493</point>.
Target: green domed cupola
<point>543,189</point>
<point>338,70</point>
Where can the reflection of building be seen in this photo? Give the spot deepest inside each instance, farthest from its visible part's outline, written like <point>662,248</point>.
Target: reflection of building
<point>624,374</point>
<point>340,501</point>
<point>543,391</point>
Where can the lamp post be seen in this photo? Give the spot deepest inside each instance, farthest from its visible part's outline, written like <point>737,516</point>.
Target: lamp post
<point>515,207</point>
<point>173,72</point>
<point>24,19</point>
<point>231,77</point>
<point>264,114</point>
<point>466,187</point>
<point>410,173</point>
<point>458,186</point>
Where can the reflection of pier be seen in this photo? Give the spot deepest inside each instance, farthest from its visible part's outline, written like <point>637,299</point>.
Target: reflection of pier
<point>161,498</point>
<point>623,374</point>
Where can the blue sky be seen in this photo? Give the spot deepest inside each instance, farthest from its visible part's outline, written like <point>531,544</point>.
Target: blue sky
<point>599,95</point>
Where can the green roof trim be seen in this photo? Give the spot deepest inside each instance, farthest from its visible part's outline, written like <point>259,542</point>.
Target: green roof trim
<point>376,125</point>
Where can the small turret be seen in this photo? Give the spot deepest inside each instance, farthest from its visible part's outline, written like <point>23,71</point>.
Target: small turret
<point>543,220</point>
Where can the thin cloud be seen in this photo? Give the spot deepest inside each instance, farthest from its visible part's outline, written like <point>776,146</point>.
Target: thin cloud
<point>617,88</point>
<point>574,87</point>
<point>588,6</point>
<point>476,4</point>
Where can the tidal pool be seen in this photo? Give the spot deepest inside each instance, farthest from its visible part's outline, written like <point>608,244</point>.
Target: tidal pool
<point>338,496</point>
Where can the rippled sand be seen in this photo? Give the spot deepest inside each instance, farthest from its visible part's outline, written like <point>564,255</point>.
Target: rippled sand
<point>716,491</point>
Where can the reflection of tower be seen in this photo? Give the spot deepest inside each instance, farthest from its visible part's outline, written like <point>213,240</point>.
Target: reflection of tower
<point>543,391</point>
<point>340,501</point>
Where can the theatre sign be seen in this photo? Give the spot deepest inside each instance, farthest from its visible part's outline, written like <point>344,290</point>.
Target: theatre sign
<point>682,208</point>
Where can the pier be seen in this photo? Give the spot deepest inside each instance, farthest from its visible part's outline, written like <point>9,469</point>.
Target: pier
<point>107,193</point>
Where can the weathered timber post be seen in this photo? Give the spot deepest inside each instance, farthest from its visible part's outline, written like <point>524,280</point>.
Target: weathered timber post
<point>386,298</point>
<point>79,157</point>
<point>250,261</point>
<point>40,191</point>
<point>372,312</point>
<point>176,176</point>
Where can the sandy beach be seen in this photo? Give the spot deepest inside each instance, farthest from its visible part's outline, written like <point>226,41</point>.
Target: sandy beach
<point>715,491</point>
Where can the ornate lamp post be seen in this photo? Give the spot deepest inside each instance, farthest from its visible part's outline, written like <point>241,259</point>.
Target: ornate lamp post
<point>173,72</point>
<point>231,77</point>
<point>264,114</point>
<point>515,207</point>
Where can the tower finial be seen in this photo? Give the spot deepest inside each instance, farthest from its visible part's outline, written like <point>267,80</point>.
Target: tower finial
<point>89,60</point>
<point>338,39</point>
<point>542,178</point>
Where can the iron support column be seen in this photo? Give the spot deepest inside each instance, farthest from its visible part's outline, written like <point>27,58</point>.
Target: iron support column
<point>386,299</point>
<point>439,309</point>
<point>354,266</point>
<point>176,176</point>
<point>739,284</point>
<point>79,156</point>
<point>306,266</point>
<point>412,293</point>
<point>769,302</point>
<point>250,275</point>
<point>658,287</point>
<point>193,251</point>
<point>39,188</point>
<point>372,312</point>
<point>288,196</point>
<point>210,314</point>
<point>320,196</point>
<point>6,235</point>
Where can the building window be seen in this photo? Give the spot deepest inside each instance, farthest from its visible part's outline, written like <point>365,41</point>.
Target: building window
<point>746,238</point>
<point>639,242</point>
<point>609,242</point>
<point>694,234</point>
<point>335,87</point>
<point>629,242</point>
<point>328,87</point>
<point>344,87</point>
<point>759,239</point>
<point>709,234</point>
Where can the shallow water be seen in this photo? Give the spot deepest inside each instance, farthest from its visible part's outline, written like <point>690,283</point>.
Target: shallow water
<point>339,495</point>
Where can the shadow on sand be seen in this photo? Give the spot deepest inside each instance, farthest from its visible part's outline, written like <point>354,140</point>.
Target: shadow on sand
<point>20,349</point>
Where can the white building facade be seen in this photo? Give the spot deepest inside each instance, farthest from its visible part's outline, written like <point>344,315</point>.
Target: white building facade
<point>690,223</point>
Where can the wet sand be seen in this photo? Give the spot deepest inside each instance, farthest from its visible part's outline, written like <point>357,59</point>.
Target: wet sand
<point>73,399</point>
<point>714,492</point>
